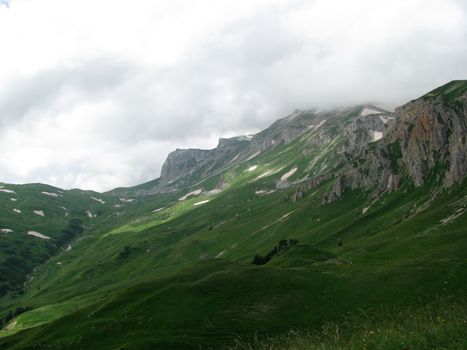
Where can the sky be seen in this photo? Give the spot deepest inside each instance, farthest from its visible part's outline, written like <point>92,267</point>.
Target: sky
<point>95,94</point>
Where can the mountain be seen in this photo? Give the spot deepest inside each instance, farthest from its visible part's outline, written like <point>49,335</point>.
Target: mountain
<point>323,217</point>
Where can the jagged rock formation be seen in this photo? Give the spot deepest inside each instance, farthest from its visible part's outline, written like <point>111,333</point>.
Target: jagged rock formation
<point>285,130</point>
<point>427,138</point>
<point>432,133</point>
<point>184,166</point>
<point>360,147</point>
<point>357,126</point>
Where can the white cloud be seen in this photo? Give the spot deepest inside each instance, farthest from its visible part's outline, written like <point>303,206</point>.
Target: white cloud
<point>94,94</point>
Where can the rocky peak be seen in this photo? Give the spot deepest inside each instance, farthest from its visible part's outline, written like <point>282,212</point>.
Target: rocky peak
<point>186,166</point>
<point>284,130</point>
<point>432,132</point>
<point>427,137</point>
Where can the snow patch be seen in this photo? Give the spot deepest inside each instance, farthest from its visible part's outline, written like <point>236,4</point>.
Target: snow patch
<point>316,127</point>
<point>364,210</point>
<point>194,193</point>
<point>126,200</point>
<point>5,230</point>
<point>286,215</point>
<point>253,155</point>
<point>156,210</point>
<point>202,202</point>
<point>17,211</point>
<point>214,192</point>
<point>39,212</point>
<point>264,192</point>
<point>13,199</point>
<point>369,111</point>
<point>376,135</point>
<point>89,214</point>
<point>385,118</point>
<point>220,254</point>
<point>50,194</point>
<point>7,191</point>
<point>264,174</point>
<point>234,158</point>
<point>98,200</point>
<point>252,168</point>
<point>288,174</point>
<point>38,235</point>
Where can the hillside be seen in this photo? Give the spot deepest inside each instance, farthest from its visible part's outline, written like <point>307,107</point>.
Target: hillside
<point>350,211</point>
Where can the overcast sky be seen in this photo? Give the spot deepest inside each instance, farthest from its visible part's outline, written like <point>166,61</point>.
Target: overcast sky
<point>94,94</point>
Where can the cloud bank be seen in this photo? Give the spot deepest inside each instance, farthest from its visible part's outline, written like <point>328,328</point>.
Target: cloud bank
<point>94,94</point>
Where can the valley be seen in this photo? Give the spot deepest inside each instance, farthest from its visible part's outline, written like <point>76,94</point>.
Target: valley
<point>371,205</point>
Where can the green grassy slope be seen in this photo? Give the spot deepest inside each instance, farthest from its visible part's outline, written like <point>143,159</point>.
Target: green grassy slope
<point>50,211</point>
<point>165,288</point>
<point>158,272</point>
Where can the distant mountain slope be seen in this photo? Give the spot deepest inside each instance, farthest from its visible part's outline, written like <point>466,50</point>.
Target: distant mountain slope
<point>37,221</point>
<point>351,210</point>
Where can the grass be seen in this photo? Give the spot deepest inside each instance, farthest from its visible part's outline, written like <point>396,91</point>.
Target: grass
<point>439,325</point>
<point>182,277</point>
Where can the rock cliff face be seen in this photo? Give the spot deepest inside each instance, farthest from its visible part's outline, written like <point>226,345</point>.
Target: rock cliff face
<point>432,134</point>
<point>184,166</point>
<point>285,130</point>
<point>364,146</point>
<point>427,139</point>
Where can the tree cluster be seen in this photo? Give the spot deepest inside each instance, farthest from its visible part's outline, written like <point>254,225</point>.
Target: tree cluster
<point>281,248</point>
<point>12,314</point>
<point>125,252</point>
<point>75,227</point>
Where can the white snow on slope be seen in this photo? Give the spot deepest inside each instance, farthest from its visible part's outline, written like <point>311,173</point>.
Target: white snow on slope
<point>263,192</point>
<point>385,118</point>
<point>17,211</point>
<point>202,202</point>
<point>264,174</point>
<point>369,111</point>
<point>50,194</point>
<point>220,254</point>
<point>7,191</point>
<point>253,155</point>
<point>5,230</point>
<point>377,135</point>
<point>214,192</point>
<point>101,201</point>
<point>89,214</point>
<point>234,158</point>
<point>316,127</point>
<point>38,235</point>
<point>156,210</point>
<point>288,174</point>
<point>126,200</point>
<point>194,193</point>
<point>13,199</point>
<point>252,168</point>
<point>39,212</point>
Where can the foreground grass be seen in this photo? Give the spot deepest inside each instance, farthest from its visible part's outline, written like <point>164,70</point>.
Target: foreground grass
<point>440,325</point>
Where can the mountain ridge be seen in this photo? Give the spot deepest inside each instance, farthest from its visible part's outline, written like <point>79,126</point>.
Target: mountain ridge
<point>333,203</point>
